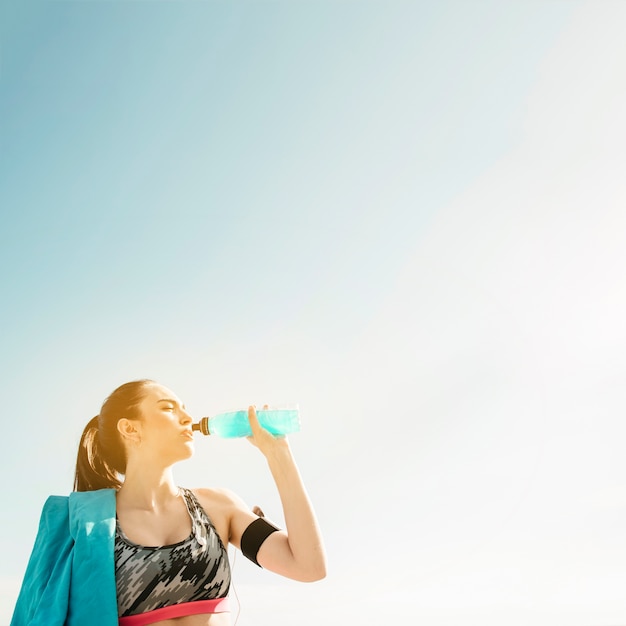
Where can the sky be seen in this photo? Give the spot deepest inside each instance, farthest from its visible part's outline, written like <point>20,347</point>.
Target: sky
<point>406,217</point>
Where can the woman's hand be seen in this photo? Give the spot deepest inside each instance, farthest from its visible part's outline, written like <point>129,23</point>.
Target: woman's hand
<point>262,438</point>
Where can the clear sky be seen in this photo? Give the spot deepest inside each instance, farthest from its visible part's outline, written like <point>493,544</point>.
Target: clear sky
<point>408,217</point>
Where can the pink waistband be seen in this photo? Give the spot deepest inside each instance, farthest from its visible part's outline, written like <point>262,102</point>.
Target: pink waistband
<point>219,605</point>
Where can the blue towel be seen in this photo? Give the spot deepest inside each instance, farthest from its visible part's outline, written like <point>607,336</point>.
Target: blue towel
<point>70,577</point>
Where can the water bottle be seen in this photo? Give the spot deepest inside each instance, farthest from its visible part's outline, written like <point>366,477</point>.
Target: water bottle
<point>277,420</point>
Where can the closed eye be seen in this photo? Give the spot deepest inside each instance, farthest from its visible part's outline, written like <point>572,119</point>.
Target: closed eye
<point>170,405</point>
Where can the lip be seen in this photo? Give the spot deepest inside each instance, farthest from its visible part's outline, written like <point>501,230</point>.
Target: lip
<point>188,434</point>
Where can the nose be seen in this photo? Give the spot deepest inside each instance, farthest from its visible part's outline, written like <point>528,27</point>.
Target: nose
<point>185,418</point>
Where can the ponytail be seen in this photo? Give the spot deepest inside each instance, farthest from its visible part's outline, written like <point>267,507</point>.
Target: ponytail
<point>101,459</point>
<point>92,471</point>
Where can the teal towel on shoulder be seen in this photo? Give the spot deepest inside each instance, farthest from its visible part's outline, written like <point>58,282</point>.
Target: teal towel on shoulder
<point>70,576</point>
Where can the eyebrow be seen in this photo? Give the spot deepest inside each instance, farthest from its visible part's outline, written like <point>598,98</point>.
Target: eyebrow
<point>174,402</point>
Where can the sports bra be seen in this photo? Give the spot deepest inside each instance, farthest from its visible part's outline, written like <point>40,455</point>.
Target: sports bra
<point>184,578</point>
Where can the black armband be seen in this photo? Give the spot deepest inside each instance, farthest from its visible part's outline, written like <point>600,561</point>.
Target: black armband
<point>254,536</point>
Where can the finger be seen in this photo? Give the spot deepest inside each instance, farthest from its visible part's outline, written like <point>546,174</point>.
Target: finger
<point>253,418</point>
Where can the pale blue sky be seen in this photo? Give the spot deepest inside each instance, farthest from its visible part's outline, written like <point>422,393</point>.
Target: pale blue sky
<point>405,216</point>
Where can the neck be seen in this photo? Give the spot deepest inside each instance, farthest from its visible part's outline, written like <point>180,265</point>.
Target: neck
<point>148,490</point>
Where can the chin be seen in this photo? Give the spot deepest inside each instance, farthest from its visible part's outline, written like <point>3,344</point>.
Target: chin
<point>182,454</point>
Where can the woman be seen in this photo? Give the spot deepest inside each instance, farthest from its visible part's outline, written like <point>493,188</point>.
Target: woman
<point>130,547</point>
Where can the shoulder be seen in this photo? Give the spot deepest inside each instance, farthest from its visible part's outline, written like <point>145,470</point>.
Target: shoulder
<point>218,497</point>
<point>222,504</point>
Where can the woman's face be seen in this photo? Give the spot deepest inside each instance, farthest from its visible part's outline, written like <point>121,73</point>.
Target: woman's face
<point>165,426</point>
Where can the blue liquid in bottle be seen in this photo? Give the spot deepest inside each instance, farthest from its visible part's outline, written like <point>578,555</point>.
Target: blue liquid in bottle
<point>278,421</point>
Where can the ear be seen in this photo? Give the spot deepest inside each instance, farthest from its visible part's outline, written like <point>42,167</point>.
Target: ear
<point>129,430</point>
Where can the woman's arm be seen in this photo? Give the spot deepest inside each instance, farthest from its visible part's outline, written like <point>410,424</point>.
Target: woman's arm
<point>298,551</point>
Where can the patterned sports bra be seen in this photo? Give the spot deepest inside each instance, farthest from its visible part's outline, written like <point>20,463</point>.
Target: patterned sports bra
<point>185,578</point>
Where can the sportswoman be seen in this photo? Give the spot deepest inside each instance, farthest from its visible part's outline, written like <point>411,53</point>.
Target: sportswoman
<point>130,547</point>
